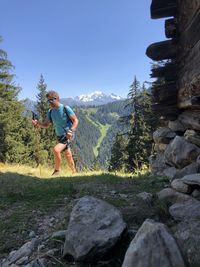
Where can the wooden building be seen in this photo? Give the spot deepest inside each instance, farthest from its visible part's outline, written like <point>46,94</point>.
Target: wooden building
<point>178,70</point>
<point>176,89</point>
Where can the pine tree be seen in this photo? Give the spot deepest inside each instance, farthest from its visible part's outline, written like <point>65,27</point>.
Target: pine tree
<point>133,148</point>
<point>42,105</point>
<point>117,153</point>
<point>44,137</point>
<point>12,147</point>
<point>150,122</point>
<point>143,123</point>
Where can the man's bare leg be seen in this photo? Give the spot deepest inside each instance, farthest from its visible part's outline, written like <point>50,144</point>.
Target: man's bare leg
<point>57,155</point>
<point>70,161</point>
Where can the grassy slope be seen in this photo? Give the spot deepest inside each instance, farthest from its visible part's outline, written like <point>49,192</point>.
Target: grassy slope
<point>103,129</point>
<point>26,198</point>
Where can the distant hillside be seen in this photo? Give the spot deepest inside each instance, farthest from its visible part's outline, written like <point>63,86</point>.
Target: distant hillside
<point>101,124</point>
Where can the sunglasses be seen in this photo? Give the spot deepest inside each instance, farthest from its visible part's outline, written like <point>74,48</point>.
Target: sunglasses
<point>51,100</point>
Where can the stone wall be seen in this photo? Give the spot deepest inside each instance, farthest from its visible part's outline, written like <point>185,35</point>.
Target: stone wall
<point>177,141</point>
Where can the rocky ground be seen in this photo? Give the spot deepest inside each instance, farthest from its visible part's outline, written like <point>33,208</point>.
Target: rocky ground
<point>24,218</point>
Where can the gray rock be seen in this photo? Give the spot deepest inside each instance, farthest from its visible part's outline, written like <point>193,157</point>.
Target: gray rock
<point>124,196</point>
<point>189,169</point>
<point>181,153</point>
<point>185,211</point>
<point>196,193</point>
<point>24,251</point>
<point>7,264</point>
<point>147,197</point>
<point>157,163</point>
<point>153,246</point>
<point>198,160</point>
<point>32,234</point>
<point>94,228</point>
<point>160,147</point>
<point>193,137</point>
<point>22,260</point>
<point>176,126</point>
<point>180,186</point>
<point>37,263</point>
<point>190,119</point>
<point>163,135</point>
<point>192,179</point>
<point>187,234</point>
<point>170,196</point>
<point>170,172</point>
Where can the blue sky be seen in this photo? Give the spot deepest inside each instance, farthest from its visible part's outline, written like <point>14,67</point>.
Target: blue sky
<point>79,46</point>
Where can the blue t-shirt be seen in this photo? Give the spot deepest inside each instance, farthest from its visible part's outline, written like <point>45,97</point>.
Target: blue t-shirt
<point>60,120</point>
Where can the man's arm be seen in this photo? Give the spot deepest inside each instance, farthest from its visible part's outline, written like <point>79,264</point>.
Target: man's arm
<point>74,119</point>
<point>39,124</point>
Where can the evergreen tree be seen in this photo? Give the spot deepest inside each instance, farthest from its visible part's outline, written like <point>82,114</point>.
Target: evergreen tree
<point>117,153</point>
<point>12,147</point>
<point>42,105</point>
<point>150,122</point>
<point>133,146</point>
<point>143,123</point>
<point>44,138</point>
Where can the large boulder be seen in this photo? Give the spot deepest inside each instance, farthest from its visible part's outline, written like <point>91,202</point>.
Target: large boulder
<point>174,173</point>
<point>180,186</point>
<point>185,211</point>
<point>170,196</point>
<point>193,137</point>
<point>189,169</point>
<point>94,228</point>
<point>180,152</point>
<point>153,246</point>
<point>163,135</point>
<point>187,234</point>
<point>176,126</point>
<point>190,119</point>
<point>170,172</point>
<point>191,179</point>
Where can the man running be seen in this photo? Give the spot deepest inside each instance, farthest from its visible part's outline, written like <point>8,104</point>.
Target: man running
<point>65,123</point>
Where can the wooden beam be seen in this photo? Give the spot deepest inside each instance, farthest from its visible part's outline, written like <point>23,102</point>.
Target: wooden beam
<point>170,28</point>
<point>169,112</point>
<point>162,50</point>
<point>169,70</point>
<point>191,35</point>
<point>165,93</point>
<point>163,8</point>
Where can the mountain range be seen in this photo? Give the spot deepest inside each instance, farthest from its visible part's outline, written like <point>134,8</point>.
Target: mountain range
<point>93,99</point>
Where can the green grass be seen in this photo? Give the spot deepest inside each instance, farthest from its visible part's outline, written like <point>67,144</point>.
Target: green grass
<point>26,197</point>
<point>103,129</point>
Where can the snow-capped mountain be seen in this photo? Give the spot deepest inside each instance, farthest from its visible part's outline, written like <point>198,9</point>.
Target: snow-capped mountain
<point>97,98</point>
